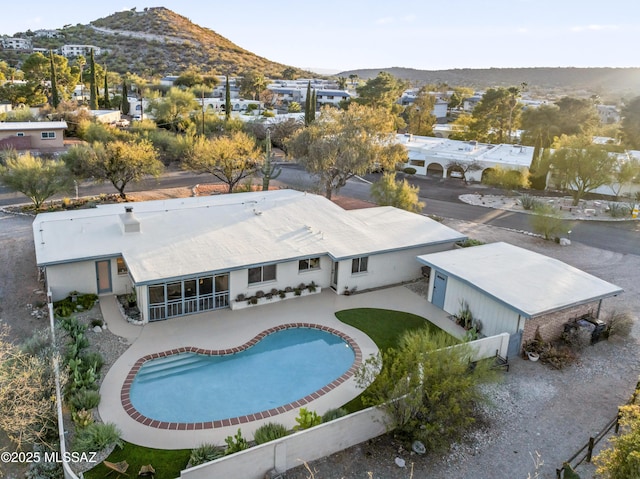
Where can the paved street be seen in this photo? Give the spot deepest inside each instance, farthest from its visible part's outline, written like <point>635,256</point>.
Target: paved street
<point>440,197</point>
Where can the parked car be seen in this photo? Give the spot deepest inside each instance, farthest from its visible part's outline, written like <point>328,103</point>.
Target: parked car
<point>123,123</point>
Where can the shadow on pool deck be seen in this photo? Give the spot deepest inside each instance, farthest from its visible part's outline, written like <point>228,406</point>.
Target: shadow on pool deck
<point>225,329</point>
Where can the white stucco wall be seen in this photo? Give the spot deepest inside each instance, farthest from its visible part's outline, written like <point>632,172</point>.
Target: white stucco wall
<point>496,318</point>
<point>287,274</point>
<point>81,276</point>
<point>386,269</point>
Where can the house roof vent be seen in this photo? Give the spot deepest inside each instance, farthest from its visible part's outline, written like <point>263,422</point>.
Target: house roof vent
<point>130,224</point>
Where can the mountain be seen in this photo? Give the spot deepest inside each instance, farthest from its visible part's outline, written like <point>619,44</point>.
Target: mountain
<point>597,81</point>
<point>157,41</point>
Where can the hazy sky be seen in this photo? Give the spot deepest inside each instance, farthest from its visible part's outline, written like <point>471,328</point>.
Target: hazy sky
<point>423,34</point>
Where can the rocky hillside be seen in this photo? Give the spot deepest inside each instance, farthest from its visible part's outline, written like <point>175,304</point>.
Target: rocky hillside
<point>157,41</point>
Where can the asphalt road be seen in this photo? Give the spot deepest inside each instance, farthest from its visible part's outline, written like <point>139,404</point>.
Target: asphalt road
<point>440,197</point>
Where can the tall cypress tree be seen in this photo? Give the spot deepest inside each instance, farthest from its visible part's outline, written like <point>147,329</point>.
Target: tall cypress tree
<point>314,102</point>
<point>93,84</point>
<point>55,98</point>
<point>124,106</point>
<point>227,99</point>
<point>107,101</point>
<point>307,106</point>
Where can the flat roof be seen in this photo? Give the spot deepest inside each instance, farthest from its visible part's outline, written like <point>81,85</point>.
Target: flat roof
<point>187,236</point>
<point>32,125</point>
<point>530,283</point>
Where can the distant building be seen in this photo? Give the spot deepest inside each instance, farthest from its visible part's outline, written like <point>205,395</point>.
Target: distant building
<point>47,33</point>
<point>16,43</point>
<point>433,156</point>
<point>77,50</point>
<point>608,114</point>
<point>45,136</point>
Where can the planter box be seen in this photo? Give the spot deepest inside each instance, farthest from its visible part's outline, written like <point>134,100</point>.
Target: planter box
<point>276,298</point>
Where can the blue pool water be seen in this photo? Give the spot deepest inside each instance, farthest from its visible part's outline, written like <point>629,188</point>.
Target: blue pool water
<point>283,367</point>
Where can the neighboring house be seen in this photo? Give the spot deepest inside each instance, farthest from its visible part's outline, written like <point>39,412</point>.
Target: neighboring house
<point>470,103</point>
<point>77,50</point>
<point>514,290</point>
<point>44,136</point>
<point>47,33</point>
<point>608,114</point>
<point>168,80</point>
<point>431,156</point>
<point>285,96</point>
<point>440,107</point>
<point>190,255</point>
<point>16,43</point>
<point>105,116</point>
<point>329,97</point>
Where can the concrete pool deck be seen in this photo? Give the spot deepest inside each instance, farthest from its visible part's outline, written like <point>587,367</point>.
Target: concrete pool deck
<point>225,329</point>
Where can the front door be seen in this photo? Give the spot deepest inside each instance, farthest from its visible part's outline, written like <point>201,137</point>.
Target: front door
<point>439,290</point>
<point>103,275</point>
<point>334,275</point>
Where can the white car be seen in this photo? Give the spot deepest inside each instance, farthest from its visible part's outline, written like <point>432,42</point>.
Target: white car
<point>122,123</point>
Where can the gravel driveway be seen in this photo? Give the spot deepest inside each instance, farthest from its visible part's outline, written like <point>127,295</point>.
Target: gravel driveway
<point>535,409</point>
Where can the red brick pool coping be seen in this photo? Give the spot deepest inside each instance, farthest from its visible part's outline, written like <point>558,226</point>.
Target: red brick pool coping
<point>193,426</point>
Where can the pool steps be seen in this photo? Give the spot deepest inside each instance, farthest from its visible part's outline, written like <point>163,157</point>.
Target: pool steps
<point>172,365</point>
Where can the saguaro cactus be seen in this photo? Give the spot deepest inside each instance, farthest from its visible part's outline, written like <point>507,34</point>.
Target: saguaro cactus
<point>269,171</point>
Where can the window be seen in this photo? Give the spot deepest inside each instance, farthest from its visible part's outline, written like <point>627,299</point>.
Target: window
<point>20,134</point>
<point>48,135</point>
<point>359,265</point>
<point>417,162</point>
<point>122,266</point>
<point>308,264</point>
<point>262,274</point>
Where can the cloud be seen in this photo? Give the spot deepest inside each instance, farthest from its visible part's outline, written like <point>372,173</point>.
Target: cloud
<point>593,28</point>
<point>385,21</point>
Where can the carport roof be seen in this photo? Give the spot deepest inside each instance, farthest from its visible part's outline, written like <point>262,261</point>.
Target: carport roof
<point>530,283</point>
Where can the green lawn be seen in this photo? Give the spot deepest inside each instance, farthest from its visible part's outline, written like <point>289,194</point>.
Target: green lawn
<point>384,327</point>
<point>167,463</point>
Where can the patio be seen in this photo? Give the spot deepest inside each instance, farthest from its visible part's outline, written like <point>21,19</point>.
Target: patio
<point>225,329</point>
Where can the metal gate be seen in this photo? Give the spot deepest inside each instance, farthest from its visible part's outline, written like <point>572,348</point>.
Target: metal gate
<point>515,340</point>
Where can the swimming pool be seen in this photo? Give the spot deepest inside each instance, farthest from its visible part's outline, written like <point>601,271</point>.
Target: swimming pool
<point>278,370</point>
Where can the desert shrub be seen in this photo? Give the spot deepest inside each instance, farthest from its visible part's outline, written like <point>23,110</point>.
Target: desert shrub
<point>557,356</point>
<point>529,202</point>
<point>619,324</point>
<point>297,291</point>
<point>577,338</point>
<point>274,291</point>
<point>39,344</point>
<point>269,432</point>
<point>240,297</point>
<point>282,294</point>
<point>288,289</point>
<point>84,399</point>
<point>616,210</point>
<point>204,453</point>
<point>235,443</point>
<point>253,300</point>
<point>409,170</point>
<point>96,322</point>
<point>306,419</point>
<point>42,469</point>
<point>332,414</point>
<point>93,360</point>
<point>97,437</point>
<point>260,294</point>
<point>464,317</point>
<point>470,242</point>
<point>312,287</point>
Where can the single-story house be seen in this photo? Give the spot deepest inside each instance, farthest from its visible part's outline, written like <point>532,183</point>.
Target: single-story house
<point>188,255</point>
<point>45,136</point>
<point>432,156</point>
<point>514,290</point>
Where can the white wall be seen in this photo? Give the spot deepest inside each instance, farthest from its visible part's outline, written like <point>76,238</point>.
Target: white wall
<point>496,318</point>
<point>291,451</point>
<point>81,276</point>
<point>287,274</point>
<point>387,268</point>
